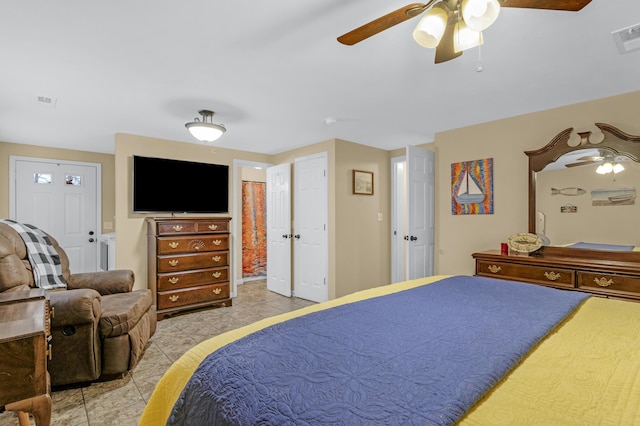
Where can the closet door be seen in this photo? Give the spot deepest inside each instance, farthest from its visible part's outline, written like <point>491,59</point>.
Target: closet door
<point>310,235</point>
<point>279,229</point>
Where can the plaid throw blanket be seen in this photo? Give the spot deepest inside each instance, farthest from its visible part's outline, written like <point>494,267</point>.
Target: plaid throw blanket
<point>45,262</point>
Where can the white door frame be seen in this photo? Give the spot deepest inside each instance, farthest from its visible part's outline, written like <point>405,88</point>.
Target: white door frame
<point>236,235</point>
<point>12,192</point>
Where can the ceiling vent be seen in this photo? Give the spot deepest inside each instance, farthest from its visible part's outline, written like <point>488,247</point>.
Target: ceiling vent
<point>627,39</point>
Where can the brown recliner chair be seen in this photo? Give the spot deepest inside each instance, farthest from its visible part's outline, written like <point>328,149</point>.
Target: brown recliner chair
<point>100,327</point>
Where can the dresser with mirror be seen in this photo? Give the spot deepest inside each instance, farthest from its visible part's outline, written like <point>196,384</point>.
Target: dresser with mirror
<point>586,216</point>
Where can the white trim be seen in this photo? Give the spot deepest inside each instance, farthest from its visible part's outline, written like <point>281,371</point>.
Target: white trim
<point>237,222</point>
<point>12,188</point>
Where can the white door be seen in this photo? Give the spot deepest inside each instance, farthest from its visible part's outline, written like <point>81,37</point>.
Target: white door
<point>279,229</point>
<point>398,219</point>
<point>310,236</point>
<point>420,212</point>
<point>60,198</point>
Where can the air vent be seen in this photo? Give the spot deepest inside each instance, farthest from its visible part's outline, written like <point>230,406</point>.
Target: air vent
<point>627,39</point>
<point>45,101</point>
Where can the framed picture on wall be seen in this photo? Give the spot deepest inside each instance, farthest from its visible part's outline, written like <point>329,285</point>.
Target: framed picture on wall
<point>362,182</point>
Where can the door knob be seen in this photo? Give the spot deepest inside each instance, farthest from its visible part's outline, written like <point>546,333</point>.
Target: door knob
<point>413,238</point>
<point>90,232</point>
<point>91,240</point>
<point>297,236</point>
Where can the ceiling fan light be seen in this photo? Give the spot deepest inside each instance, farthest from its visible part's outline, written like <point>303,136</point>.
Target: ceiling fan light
<point>604,168</point>
<point>465,38</point>
<point>480,14</point>
<point>205,130</point>
<point>431,26</point>
<point>617,168</point>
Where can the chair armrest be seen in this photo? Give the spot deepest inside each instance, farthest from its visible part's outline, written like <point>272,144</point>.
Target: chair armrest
<point>75,307</point>
<point>106,282</point>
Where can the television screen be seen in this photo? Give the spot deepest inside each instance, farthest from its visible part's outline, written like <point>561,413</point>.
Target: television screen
<point>162,185</point>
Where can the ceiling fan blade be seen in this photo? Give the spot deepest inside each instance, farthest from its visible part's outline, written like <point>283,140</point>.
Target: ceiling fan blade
<point>582,163</point>
<point>570,5</point>
<point>446,49</point>
<point>590,158</point>
<point>384,22</point>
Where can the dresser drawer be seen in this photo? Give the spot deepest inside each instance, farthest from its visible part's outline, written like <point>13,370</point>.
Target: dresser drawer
<point>175,227</point>
<point>192,244</point>
<point>609,283</point>
<point>183,262</point>
<point>193,295</point>
<point>557,277</point>
<point>192,227</point>
<point>192,278</point>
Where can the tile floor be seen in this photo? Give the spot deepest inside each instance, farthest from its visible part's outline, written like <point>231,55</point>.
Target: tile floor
<point>121,401</point>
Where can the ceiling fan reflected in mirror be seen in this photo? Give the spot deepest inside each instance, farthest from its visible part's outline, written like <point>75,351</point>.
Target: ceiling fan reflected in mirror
<point>451,26</point>
<point>607,160</point>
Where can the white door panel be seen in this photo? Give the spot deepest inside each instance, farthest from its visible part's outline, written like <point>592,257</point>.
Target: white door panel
<point>279,229</point>
<point>420,212</point>
<point>310,239</point>
<point>62,199</point>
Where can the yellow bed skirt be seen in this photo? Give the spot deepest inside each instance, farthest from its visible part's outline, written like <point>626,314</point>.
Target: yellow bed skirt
<point>585,372</point>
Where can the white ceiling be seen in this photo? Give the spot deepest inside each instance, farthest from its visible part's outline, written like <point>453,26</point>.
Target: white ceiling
<point>274,72</point>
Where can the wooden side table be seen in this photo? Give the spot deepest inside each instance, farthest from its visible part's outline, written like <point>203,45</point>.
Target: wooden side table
<point>24,347</point>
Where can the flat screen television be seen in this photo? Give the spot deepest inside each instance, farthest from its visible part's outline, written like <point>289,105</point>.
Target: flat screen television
<point>162,185</point>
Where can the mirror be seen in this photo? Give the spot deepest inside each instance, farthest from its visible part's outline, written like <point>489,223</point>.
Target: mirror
<point>571,198</point>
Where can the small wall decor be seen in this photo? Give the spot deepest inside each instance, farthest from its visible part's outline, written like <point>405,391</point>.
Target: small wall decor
<point>572,191</point>
<point>472,187</point>
<point>362,182</point>
<point>568,208</point>
<point>613,197</point>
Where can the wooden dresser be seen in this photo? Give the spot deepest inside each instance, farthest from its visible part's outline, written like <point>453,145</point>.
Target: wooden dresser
<point>188,263</point>
<point>24,347</point>
<point>615,274</point>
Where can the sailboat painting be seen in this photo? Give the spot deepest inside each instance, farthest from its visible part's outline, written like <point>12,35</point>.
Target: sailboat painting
<point>472,187</point>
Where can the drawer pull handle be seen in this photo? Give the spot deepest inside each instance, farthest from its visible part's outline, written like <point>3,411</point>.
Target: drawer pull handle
<point>173,262</point>
<point>173,244</point>
<point>49,352</point>
<point>174,298</point>
<point>217,290</point>
<point>216,258</point>
<point>177,228</point>
<point>494,269</point>
<point>174,280</point>
<point>603,282</point>
<point>217,242</point>
<point>213,227</point>
<point>552,276</point>
<point>216,274</point>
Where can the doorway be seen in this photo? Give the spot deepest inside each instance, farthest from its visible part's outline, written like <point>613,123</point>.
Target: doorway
<point>412,214</point>
<point>242,171</point>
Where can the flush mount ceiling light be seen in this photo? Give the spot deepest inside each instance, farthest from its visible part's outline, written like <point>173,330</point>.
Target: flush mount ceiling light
<point>451,26</point>
<point>205,130</point>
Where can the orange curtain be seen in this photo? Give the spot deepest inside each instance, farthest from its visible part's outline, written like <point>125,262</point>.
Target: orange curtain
<point>254,230</point>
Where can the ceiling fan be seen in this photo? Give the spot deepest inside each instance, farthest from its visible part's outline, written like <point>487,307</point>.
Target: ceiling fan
<point>452,26</point>
<point>608,161</point>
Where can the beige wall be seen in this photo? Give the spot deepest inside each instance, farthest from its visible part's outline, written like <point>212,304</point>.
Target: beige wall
<point>107,162</point>
<point>457,237</point>
<point>363,243</point>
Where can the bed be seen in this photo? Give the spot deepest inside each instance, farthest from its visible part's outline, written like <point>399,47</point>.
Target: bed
<point>514,354</point>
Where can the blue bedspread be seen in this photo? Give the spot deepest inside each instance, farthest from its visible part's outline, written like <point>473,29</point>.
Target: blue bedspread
<point>421,356</point>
